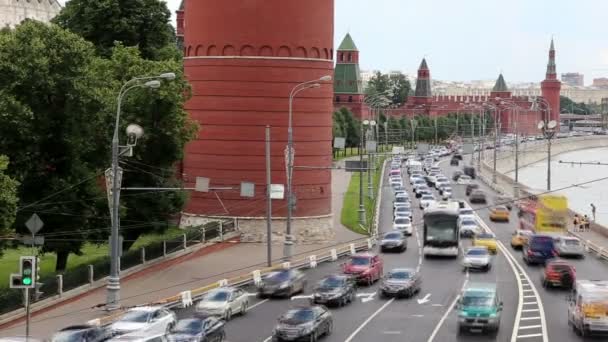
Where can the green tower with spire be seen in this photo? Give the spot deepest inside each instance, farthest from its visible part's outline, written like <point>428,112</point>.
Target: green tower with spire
<point>348,87</point>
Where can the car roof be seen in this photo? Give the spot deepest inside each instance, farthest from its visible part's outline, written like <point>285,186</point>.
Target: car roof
<point>500,207</point>
<point>403,269</point>
<point>364,255</point>
<point>393,232</point>
<point>556,262</point>
<point>146,308</point>
<point>484,248</point>
<point>79,327</point>
<point>485,236</point>
<point>480,287</point>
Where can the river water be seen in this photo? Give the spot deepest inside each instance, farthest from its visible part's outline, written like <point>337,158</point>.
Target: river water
<point>564,176</point>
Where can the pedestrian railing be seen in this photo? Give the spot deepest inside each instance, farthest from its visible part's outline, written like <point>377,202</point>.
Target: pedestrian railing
<point>187,298</point>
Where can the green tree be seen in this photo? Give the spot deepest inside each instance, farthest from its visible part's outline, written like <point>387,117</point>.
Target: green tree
<point>8,198</point>
<point>52,133</point>
<point>62,103</point>
<point>395,86</point>
<point>142,23</point>
<point>350,127</point>
<point>569,106</point>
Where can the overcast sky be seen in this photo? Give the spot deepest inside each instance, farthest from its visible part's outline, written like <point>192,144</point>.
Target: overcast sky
<point>476,39</point>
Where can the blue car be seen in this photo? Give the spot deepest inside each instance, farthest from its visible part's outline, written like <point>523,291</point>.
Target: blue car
<point>538,249</point>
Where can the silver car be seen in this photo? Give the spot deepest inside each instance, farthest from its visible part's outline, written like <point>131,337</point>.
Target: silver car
<point>477,258</point>
<point>404,225</point>
<point>394,240</point>
<point>569,246</point>
<point>224,302</point>
<point>401,282</point>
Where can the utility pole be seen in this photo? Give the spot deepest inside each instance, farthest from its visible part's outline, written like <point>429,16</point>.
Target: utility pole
<point>268,200</point>
<point>361,206</point>
<point>496,129</point>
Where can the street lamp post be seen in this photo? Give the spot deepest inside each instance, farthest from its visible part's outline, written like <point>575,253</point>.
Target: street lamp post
<point>289,152</point>
<point>370,166</point>
<point>134,132</point>
<point>515,113</point>
<point>548,129</point>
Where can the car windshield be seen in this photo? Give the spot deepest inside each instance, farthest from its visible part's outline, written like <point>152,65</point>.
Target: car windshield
<point>402,209</point>
<point>69,336</point>
<point>402,275</point>
<point>500,209</point>
<point>402,221</point>
<point>485,236</point>
<point>465,177</point>
<point>468,223</point>
<point>278,277</point>
<point>572,242</point>
<point>428,198</point>
<point>401,199</point>
<point>477,251</point>
<point>392,236</point>
<point>331,282</point>
<point>359,261</point>
<point>478,299</point>
<point>136,316</point>
<point>218,296</point>
<point>298,316</point>
<point>466,212</point>
<point>191,326</point>
<point>541,242</point>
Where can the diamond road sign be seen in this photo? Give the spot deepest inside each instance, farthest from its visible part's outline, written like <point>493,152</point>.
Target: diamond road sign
<point>34,224</point>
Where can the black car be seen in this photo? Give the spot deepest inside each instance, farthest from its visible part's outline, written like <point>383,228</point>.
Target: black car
<point>84,333</point>
<point>454,161</point>
<point>457,156</point>
<point>470,188</point>
<point>209,329</point>
<point>401,282</point>
<point>478,196</point>
<point>304,324</point>
<point>335,290</point>
<point>282,283</point>
<point>470,171</point>
<point>394,241</point>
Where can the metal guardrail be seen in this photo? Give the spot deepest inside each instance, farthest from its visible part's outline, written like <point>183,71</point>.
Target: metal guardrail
<point>186,298</point>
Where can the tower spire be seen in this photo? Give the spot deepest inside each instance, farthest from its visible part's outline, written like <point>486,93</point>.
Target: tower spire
<point>551,69</point>
<point>423,83</point>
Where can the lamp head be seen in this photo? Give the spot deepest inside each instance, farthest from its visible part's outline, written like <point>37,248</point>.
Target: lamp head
<point>365,122</point>
<point>325,78</point>
<point>552,124</point>
<point>372,123</point>
<point>541,125</point>
<point>135,130</point>
<point>169,76</point>
<point>154,84</point>
<point>315,85</point>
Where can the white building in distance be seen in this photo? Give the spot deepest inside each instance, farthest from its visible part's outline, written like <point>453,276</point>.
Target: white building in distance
<point>13,12</point>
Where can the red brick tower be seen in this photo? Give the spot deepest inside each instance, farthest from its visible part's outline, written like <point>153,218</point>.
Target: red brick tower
<point>551,86</point>
<point>501,91</point>
<point>422,95</point>
<point>242,59</point>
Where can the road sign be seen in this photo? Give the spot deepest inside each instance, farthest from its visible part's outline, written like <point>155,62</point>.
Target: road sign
<point>277,191</point>
<point>202,184</point>
<point>31,240</point>
<point>34,224</point>
<point>370,146</point>
<point>247,189</point>
<point>339,142</point>
<point>355,165</point>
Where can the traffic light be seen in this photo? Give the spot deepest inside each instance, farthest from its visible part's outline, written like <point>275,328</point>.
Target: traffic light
<point>28,270</point>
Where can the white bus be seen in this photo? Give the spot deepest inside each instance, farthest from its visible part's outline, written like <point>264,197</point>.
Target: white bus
<point>441,236</point>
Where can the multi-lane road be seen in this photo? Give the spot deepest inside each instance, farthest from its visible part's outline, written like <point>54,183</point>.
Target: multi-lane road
<point>530,312</point>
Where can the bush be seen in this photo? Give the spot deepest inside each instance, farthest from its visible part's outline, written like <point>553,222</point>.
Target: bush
<point>10,299</point>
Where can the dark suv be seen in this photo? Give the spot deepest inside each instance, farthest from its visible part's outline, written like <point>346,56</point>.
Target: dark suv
<point>470,188</point>
<point>538,249</point>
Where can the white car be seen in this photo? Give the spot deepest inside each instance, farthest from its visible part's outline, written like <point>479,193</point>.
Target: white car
<point>464,179</point>
<point>415,177</point>
<point>402,212</point>
<point>466,213</point>
<point>224,302</point>
<point>147,320</point>
<point>569,246</point>
<point>440,183</point>
<point>468,227</point>
<point>402,202</point>
<point>426,200</point>
<point>403,224</point>
<point>420,188</point>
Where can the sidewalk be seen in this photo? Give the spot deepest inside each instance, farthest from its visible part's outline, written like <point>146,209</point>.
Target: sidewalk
<point>505,184</point>
<point>197,270</point>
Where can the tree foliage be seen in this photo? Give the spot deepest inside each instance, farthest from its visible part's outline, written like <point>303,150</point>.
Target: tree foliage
<point>142,23</point>
<point>569,106</point>
<point>346,126</point>
<point>8,197</point>
<point>62,103</point>
<point>395,85</point>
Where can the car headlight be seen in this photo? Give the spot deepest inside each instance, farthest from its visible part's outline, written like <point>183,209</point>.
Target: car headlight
<point>308,328</point>
<point>284,285</point>
<point>463,314</point>
<point>493,315</point>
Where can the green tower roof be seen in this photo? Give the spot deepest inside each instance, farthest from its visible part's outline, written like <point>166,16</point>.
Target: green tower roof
<point>501,85</point>
<point>348,44</point>
<point>347,79</point>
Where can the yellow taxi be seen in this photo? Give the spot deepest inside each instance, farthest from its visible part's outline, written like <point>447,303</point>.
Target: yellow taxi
<point>520,238</point>
<point>486,239</point>
<point>499,213</point>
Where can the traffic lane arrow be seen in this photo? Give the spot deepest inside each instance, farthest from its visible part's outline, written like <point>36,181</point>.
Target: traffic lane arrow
<point>366,297</point>
<point>425,299</point>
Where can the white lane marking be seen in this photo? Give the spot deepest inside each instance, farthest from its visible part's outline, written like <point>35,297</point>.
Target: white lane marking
<point>530,310</point>
<point>530,318</point>
<point>530,335</point>
<point>417,315</point>
<point>392,332</point>
<point>529,296</point>
<point>256,304</point>
<point>369,319</point>
<point>424,299</point>
<point>529,327</point>
<point>301,297</point>
<point>519,273</point>
<point>268,339</point>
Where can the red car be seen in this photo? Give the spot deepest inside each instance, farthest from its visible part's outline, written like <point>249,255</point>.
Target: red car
<point>364,268</point>
<point>558,273</point>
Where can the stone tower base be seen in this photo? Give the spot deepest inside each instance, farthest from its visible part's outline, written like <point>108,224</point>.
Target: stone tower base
<point>306,230</point>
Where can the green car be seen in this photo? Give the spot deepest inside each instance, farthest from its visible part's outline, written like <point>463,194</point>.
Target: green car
<point>479,307</point>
